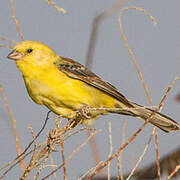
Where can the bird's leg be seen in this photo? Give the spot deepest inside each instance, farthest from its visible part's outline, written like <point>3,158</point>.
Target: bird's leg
<point>82,114</point>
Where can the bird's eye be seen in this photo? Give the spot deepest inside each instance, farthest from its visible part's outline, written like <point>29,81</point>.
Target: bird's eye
<point>29,50</point>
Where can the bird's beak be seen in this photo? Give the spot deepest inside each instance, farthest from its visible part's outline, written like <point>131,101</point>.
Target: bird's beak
<point>15,55</point>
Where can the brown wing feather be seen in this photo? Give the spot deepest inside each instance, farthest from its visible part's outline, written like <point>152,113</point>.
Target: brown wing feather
<point>77,71</point>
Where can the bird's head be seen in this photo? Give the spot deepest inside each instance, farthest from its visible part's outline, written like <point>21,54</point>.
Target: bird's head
<point>32,52</point>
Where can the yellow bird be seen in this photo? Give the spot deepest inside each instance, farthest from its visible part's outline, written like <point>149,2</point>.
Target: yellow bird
<point>71,90</point>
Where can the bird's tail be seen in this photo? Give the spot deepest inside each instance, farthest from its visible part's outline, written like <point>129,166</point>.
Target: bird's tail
<point>159,120</point>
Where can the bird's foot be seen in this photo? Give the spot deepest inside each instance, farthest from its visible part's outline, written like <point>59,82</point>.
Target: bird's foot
<point>84,112</point>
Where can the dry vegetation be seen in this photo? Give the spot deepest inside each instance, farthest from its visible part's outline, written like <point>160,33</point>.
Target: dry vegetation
<point>55,139</point>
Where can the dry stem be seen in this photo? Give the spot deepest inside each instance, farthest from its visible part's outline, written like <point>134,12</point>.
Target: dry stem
<point>142,155</point>
<point>157,155</point>
<point>63,160</point>
<point>22,165</point>
<point>62,10</point>
<point>111,149</point>
<point>8,40</point>
<point>15,20</point>
<point>129,49</point>
<point>173,172</point>
<point>120,171</point>
<point>52,165</point>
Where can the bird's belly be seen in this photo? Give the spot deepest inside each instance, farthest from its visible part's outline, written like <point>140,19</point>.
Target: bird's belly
<point>42,94</point>
<point>66,96</point>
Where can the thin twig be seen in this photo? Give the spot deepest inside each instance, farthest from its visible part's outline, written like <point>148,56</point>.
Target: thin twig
<point>31,163</point>
<point>129,49</point>
<point>173,172</point>
<point>15,20</point>
<point>95,152</point>
<point>62,10</point>
<point>63,160</point>
<point>120,171</point>
<point>142,155</point>
<point>78,131</point>
<point>168,90</point>
<point>42,167</point>
<point>50,154</point>
<point>22,164</point>
<point>52,165</point>
<point>35,145</point>
<point>89,171</point>
<point>157,155</point>
<point>56,120</point>
<point>111,149</point>
<point>8,40</point>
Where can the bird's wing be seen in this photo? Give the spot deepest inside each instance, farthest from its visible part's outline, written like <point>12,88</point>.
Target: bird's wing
<point>77,71</point>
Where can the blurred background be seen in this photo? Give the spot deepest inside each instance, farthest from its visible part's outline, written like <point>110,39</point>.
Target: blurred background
<point>157,51</point>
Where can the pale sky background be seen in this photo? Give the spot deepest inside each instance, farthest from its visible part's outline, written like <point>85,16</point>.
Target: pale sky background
<point>157,51</point>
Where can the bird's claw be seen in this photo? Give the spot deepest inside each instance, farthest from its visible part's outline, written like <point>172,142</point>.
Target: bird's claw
<point>84,112</point>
